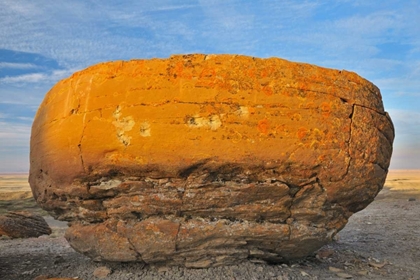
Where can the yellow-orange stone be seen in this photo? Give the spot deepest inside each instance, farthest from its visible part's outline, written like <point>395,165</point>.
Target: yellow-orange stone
<point>198,137</point>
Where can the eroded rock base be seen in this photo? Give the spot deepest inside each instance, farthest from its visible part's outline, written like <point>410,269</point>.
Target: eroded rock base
<point>195,243</point>
<point>197,223</point>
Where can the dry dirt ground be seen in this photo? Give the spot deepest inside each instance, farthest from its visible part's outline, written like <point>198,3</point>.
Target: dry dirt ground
<point>380,242</point>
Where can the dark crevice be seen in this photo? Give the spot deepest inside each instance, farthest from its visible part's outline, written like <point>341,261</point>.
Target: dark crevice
<point>80,148</point>
<point>177,236</point>
<point>383,113</point>
<point>81,156</point>
<point>344,100</point>
<point>349,143</point>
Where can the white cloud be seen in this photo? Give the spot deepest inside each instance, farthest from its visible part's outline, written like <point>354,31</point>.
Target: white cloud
<point>26,78</point>
<point>375,25</point>
<point>17,65</point>
<point>400,86</point>
<point>54,76</point>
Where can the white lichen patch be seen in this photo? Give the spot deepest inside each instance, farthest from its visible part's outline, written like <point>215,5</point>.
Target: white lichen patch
<point>123,125</point>
<point>212,122</point>
<point>145,129</point>
<point>117,113</point>
<point>106,185</point>
<point>243,111</point>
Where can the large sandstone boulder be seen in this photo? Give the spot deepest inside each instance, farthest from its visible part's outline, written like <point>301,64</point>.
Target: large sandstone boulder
<point>204,160</point>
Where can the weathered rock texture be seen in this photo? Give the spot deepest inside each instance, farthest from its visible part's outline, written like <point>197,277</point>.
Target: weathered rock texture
<point>22,224</point>
<point>207,160</point>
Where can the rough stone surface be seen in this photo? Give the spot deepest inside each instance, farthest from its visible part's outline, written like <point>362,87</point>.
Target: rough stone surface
<point>206,160</point>
<point>22,224</point>
<point>102,272</point>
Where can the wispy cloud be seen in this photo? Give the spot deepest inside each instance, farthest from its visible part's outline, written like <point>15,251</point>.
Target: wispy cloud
<point>14,134</point>
<point>17,65</point>
<point>54,76</point>
<point>26,78</point>
<point>14,147</point>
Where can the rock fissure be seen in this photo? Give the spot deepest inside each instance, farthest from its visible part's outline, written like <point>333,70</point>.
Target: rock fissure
<point>382,113</point>
<point>349,143</point>
<point>79,145</point>
<point>133,248</point>
<point>177,236</point>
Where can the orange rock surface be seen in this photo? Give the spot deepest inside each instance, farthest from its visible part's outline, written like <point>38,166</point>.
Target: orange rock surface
<point>145,149</point>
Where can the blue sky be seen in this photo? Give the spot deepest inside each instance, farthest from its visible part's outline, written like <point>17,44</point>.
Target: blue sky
<point>42,42</point>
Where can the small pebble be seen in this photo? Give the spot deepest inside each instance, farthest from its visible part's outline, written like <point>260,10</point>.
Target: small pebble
<point>344,275</point>
<point>304,274</point>
<point>334,269</point>
<point>102,272</point>
<point>362,272</point>
<point>163,269</point>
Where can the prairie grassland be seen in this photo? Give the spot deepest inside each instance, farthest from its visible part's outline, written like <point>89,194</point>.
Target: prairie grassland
<point>16,194</point>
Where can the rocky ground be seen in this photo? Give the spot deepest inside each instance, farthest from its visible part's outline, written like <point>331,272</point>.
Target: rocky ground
<point>380,242</point>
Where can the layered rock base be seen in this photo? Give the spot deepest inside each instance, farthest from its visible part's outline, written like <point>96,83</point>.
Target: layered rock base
<point>205,160</point>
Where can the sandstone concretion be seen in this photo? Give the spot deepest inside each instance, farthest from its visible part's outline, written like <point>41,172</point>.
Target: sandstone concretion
<point>206,160</point>
<point>23,224</point>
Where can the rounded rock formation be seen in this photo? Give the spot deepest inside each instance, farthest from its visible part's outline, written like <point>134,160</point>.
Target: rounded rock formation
<point>205,160</point>
<point>23,224</point>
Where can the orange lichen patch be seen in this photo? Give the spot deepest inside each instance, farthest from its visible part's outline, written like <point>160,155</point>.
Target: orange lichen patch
<point>302,133</point>
<point>326,109</point>
<point>263,126</point>
<point>267,90</point>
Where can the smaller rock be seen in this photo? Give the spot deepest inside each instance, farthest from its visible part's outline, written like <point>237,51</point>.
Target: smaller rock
<point>102,272</point>
<point>344,275</point>
<point>23,224</point>
<point>334,269</point>
<point>377,265</point>
<point>324,253</point>
<point>411,199</point>
<point>363,272</point>
<point>29,272</point>
<point>163,269</point>
<point>304,274</point>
